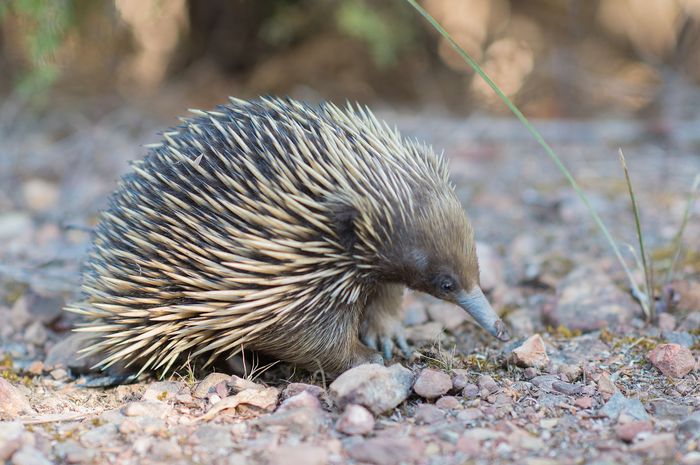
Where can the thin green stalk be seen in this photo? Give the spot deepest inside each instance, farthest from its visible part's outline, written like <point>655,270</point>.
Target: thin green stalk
<point>677,241</point>
<point>538,137</point>
<point>646,300</point>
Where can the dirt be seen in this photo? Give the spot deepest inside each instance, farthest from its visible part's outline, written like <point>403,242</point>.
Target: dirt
<point>593,397</point>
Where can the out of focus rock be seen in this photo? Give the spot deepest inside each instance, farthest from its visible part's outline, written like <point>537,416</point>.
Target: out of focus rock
<point>490,266</point>
<point>588,300</point>
<point>12,402</point>
<point>39,194</point>
<point>355,420</point>
<point>672,360</point>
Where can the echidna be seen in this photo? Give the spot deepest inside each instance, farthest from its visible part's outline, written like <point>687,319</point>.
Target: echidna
<point>281,228</point>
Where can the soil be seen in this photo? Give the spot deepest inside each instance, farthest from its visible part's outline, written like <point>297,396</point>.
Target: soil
<point>583,391</point>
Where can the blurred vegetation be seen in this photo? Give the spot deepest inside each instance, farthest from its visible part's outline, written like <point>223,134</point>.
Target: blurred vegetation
<point>573,57</point>
<point>45,25</point>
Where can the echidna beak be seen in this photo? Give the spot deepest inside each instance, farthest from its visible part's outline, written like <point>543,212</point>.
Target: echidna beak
<point>479,308</point>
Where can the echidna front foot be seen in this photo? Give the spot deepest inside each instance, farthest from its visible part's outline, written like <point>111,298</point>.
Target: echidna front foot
<point>382,328</point>
<point>362,354</point>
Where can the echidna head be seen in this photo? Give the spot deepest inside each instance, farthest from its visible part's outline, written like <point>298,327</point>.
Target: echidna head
<point>436,254</point>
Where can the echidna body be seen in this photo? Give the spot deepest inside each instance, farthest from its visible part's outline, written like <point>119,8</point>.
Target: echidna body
<point>276,227</point>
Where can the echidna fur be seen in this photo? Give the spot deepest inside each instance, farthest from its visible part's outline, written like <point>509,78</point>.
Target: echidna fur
<point>273,226</point>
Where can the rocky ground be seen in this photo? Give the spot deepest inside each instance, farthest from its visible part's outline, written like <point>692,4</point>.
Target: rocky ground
<point>586,380</point>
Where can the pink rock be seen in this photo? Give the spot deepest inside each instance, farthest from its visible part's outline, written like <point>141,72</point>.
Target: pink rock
<point>628,431</point>
<point>12,401</point>
<point>448,403</point>
<point>356,420</point>
<point>432,383</point>
<point>532,353</point>
<point>584,402</point>
<point>657,445</point>
<point>672,360</point>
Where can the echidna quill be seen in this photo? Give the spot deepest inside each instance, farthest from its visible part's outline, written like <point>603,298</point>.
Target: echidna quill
<point>281,228</point>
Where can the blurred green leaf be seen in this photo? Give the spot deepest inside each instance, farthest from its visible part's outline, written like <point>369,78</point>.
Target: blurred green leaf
<point>386,32</point>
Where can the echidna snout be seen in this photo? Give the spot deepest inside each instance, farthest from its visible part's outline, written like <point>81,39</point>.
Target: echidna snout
<point>276,227</point>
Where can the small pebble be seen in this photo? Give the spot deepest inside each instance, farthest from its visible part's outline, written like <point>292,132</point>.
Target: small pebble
<point>448,403</point>
<point>428,413</point>
<point>487,383</point>
<point>432,383</point>
<point>355,420</point>
<point>469,414</point>
<point>531,353</point>
<point>470,391</point>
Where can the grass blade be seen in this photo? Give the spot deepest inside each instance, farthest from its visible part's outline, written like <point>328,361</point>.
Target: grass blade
<point>677,241</point>
<point>538,137</point>
<point>646,299</point>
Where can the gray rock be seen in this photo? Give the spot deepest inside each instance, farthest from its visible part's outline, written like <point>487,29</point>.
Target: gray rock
<point>691,425</point>
<point>587,300</point>
<point>668,410</point>
<point>376,387</point>
<point>619,404</point>
<point>301,421</point>
<point>431,384</point>
<point>545,382</point>
<point>65,355</point>
<point>682,338</point>
<point>470,391</point>
<point>567,388</point>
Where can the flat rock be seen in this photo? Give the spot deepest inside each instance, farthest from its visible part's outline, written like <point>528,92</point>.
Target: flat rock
<point>619,404</point>
<point>672,360</point>
<point>162,390</point>
<point>656,445</point>
<point>431,384</point>
<point>293,389</point>
<point>12,402</point>
<point>208,384</point>
<point>355,419</point>
<point>588,300</point>
<point>531,353</point>
<point>377,387</point>
<point>386,451</point>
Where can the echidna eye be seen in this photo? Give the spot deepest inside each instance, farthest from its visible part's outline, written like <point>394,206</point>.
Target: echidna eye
<point>447,284</point>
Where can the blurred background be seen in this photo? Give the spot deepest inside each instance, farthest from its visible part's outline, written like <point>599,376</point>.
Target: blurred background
<point>85,83</point>
<point>557,58</point>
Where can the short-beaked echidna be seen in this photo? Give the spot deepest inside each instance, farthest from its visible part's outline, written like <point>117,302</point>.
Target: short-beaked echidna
<point>276,227</point>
